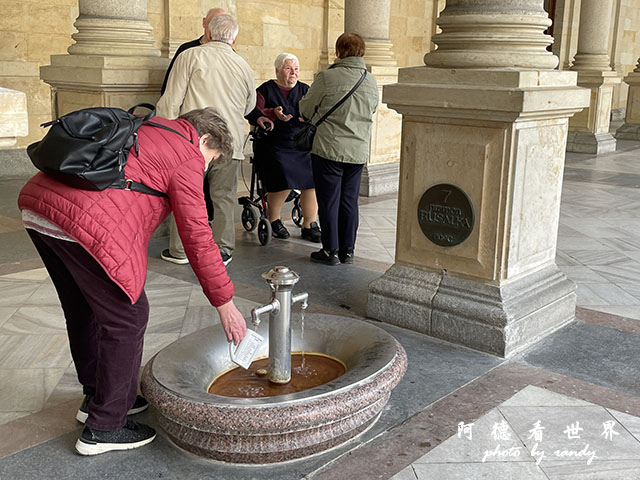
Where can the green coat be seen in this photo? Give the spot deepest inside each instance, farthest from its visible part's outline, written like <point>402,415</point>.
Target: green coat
<point>345,135</point>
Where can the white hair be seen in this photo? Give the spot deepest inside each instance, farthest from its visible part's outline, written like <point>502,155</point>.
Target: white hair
<point>283,57</point>
<point>223,28</point>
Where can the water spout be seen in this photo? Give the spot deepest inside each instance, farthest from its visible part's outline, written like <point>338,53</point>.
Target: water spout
<point>281,281</point>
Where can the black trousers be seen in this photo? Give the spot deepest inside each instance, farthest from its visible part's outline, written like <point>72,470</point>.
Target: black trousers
<point>105,330</point>
<point>337,188</point>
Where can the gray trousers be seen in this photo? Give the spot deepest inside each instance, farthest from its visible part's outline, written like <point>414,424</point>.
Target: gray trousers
<point>223,186</point>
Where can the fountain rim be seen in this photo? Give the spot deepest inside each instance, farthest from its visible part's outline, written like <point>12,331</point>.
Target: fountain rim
<point>354,377</point>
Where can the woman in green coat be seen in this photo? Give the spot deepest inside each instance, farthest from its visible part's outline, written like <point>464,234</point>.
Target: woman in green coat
<point>341,146</point>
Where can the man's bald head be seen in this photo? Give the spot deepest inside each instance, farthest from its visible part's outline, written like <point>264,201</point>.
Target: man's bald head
<point>214,12</point>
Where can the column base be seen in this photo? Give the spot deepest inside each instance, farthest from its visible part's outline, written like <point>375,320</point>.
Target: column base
<point>501,320</point>
<point>596,143</point>
<point>628,131</point>
<point>379,179</point>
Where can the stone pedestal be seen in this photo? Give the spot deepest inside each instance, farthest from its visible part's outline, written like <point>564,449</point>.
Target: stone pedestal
<point>81,81</point>
<point>499,136</point>
<point>589,130</point>
<point>14,121</point>
<point>631,128</point>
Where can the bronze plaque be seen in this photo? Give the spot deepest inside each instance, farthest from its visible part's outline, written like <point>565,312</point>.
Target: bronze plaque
<point>445,215</point>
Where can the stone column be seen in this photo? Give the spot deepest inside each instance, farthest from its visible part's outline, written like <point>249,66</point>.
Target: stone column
<point>484,132</point>
<point>631,128</point>
<point>115,27</point>
<point>113,63</point>
<point>370,19</point>
<point>589,129</point>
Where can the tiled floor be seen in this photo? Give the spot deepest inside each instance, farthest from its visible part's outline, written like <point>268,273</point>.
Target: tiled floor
<point>537,435</point>
<point>588,372</point>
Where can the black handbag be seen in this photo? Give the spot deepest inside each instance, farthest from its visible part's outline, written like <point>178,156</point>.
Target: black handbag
<point>303,138</point>
<point>88,148</point>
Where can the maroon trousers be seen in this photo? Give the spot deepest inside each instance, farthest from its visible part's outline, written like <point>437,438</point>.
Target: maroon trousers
<point>105,330</point>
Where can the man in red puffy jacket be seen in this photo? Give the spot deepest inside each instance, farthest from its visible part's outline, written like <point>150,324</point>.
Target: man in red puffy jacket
<point>94,246</point>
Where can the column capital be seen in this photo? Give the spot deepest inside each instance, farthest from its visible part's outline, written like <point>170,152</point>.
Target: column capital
<point>493,34</point>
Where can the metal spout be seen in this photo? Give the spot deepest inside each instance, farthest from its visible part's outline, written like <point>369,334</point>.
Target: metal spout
<point>281,281</point>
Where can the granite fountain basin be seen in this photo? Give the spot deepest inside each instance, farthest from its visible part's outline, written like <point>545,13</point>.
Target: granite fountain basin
<point>278,428</point>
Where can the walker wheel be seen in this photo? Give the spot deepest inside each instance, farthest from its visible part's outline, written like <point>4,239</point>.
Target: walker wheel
<point>296,215</point>
<point>264,231</point>
<point>250,215</point>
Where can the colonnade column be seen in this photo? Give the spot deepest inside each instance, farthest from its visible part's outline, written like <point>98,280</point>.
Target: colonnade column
<point>484,132</point>
<point>370,19</point>
<point>113,63</point>
<point>589,129</point>
<point>630,130</point>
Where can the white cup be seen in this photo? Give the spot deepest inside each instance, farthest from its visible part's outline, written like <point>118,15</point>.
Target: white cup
<point>245,351</point>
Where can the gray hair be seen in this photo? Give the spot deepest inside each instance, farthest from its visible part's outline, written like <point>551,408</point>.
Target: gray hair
<point>208,120</point>
<point>223,28</point>
<point>283,57</point>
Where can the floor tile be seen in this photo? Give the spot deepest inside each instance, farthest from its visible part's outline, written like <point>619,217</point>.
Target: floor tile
<point>598,470</point>
<point>555,424</point>
<point>478,471</point>
<point>482,446</point>
<point>406,474</point>
<point>29,390</point>
<point>629,422</point>
<point>533,396</point>
<point>603,294</point>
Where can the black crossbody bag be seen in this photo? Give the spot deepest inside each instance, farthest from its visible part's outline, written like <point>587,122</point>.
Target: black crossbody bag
<point>303,138</point>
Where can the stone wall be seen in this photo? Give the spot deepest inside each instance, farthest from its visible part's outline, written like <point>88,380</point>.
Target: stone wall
<point>33,31</point>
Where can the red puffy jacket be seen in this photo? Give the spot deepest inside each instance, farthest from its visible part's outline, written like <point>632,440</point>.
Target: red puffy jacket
<point>115,226</point>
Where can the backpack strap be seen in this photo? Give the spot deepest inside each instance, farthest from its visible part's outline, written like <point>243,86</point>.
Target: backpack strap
<point>342,100</point>
<point>138,187</point>
<point>148,116</point>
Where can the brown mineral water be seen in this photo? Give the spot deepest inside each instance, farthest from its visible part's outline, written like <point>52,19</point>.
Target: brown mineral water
<point>317,369</point>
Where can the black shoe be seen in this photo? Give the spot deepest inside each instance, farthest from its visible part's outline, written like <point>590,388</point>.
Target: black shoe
<point>345,255</point>
<point>279,230</point>
<point>312,233</point>
<point>132,435</point>
<point>226,258</point>
<point>140,405</point>
<point>321,256</point>
<point>166,255</point>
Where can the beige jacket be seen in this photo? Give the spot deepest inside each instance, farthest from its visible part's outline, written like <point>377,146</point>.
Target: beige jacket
<point>211,75</point>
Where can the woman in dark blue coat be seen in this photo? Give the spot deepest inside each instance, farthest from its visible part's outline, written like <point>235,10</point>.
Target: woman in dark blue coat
<point>280,166</point>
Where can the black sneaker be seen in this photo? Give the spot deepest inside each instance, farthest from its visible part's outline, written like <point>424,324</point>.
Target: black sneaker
<point>166,255</point>
<point>132,435</point>
<point>140,405</point>
<point>345,255</point>
<point>322,256</point>
<point>226,258</point>
<point>279,230</point>
<point>312,233</point>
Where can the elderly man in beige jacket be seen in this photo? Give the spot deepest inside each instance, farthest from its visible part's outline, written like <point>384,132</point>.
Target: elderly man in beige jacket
<point>213,75</point>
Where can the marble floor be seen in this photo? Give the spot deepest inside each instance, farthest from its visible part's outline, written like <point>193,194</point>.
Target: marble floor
<point>586,373</point>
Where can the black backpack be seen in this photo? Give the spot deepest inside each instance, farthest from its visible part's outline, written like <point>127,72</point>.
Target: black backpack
<point>88,148</point>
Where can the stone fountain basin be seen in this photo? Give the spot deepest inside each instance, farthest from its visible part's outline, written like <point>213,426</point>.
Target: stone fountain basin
<point>283,427</point>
